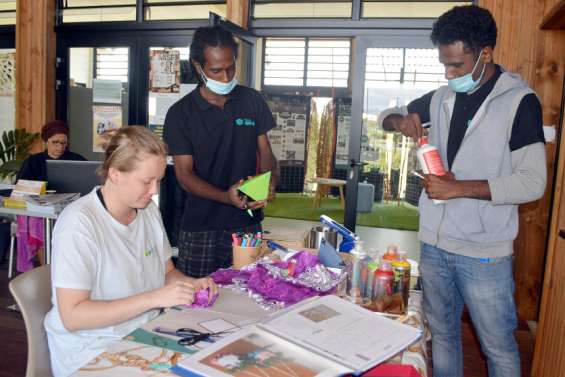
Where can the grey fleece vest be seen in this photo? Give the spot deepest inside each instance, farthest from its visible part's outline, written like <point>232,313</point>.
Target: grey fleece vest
<point>471,227</point>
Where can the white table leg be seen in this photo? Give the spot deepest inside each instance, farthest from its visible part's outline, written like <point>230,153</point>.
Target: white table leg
<point>47,241</point>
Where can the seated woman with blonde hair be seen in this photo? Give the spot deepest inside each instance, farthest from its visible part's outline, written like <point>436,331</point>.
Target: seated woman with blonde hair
<point>112,267</point>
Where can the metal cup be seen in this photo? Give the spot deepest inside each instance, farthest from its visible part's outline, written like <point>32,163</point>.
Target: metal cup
<point>319,232</point>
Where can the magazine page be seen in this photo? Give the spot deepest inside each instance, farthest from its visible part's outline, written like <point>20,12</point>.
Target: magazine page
<point>342,331</point>
<point>252,352</point>
<point>51,199</point>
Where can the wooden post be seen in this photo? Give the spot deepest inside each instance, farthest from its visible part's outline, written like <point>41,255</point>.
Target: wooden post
<point>238,12</point>
<point>539,57</point>
<point>35,64</point>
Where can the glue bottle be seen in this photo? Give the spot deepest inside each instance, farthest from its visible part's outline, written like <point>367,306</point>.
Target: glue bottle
<point>401,289</point>
<point>430,161</point>
<point>383,284</point>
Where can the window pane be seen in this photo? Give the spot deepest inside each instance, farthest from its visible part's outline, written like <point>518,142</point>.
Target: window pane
<point>8,5</point>
<point>112,63</point>
<point>320,9</point>
<point>419,68</point>
<point>99,14</point>
<point>394,77</point>
<point>93,3</point>
<point>282,81</point>
<point>96,106</point>
<point>284,61</point>
<point>184,12</point>
<point>8,18</point>
<point>328,62</point>
<point>172,1</point>
<point>408,9</point>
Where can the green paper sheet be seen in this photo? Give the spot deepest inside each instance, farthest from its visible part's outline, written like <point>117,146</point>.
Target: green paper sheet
<point>257,188</point>
<point>145,337</point>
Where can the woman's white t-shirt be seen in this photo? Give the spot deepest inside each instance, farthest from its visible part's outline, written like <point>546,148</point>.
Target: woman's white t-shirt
<point>93,251</point>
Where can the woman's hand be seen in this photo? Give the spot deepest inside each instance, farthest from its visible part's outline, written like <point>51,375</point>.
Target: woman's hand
<point>204,283</point>
<point>179,292</point>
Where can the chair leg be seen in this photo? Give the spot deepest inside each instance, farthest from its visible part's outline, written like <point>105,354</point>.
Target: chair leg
<point>11,262</point>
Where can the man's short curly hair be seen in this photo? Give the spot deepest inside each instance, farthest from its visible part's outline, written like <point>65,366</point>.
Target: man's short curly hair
<point>470,24</point>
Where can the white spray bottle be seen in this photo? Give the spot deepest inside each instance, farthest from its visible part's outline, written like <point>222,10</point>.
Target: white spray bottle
<point>430,161</point>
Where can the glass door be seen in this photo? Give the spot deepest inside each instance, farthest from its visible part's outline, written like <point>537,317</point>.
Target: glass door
<point>97,94</point>
<point>382,194</point>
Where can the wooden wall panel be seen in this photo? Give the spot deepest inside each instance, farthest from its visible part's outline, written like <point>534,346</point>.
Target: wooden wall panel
<point>238,12</point>
<point>538,56</point>
<point>549,355</point>
<point>35,64</point>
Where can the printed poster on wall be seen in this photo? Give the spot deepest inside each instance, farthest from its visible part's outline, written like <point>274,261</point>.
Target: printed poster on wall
<point>288,138</point>
<point>7,90</point>
<point>104,118</point>
<point>343,127</point>
<point>7,73</point>
<point>164,74</point>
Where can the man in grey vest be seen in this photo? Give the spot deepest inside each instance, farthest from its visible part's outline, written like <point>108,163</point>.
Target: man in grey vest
<point>487,125</point>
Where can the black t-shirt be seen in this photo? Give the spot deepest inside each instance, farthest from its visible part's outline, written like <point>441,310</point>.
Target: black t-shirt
<point>526,129</point>
<point>223,144</point>
<point>35,168</point>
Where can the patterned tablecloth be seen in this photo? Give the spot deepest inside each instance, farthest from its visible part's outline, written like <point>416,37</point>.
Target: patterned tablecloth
<point>416,354</point>
<point>126,358</point>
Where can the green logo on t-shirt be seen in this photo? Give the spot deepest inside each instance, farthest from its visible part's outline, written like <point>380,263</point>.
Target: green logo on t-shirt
<point>148,253</point>
<point>244,122</point>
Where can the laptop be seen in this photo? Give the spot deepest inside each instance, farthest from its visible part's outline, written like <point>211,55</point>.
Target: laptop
<point>72,176</point>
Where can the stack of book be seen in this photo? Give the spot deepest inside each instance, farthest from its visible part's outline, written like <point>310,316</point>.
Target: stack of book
<point>49,203</point>
<point>24,187</point>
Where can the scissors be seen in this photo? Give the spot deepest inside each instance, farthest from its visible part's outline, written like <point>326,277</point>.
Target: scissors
<point>189,337</point>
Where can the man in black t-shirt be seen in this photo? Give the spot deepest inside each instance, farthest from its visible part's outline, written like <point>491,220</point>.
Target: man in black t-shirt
<point>217,135</point>
<point>487,126</point>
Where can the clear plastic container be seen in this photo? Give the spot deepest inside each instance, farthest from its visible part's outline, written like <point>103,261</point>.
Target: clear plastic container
<point>358,275</point>
<point>391,253</point>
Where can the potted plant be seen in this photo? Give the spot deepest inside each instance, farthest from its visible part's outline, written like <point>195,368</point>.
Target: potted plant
<point>14,149</point>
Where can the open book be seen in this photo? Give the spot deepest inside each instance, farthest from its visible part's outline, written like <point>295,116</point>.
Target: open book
<point>323,336</point>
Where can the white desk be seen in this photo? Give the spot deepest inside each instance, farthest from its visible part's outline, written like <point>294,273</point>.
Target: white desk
<point>47,223</point>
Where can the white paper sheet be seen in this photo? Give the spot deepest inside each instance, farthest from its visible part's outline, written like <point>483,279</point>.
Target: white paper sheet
<point>107,91</point>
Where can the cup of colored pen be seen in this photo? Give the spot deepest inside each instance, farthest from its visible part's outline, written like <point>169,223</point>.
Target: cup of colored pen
<point>246,247</point>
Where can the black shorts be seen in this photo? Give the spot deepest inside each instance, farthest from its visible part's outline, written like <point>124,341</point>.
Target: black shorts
<point>201,253</point>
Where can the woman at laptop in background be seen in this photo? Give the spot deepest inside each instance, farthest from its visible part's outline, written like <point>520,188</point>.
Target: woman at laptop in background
<point>30,233</point>
<point>112,267</point>
<point>55,134</point>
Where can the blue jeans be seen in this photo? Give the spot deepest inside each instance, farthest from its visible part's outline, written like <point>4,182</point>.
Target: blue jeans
<point>486,287</point>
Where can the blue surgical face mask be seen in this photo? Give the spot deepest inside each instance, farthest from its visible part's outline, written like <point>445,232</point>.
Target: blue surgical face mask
<point>465,83</point>
<point>218,87</point>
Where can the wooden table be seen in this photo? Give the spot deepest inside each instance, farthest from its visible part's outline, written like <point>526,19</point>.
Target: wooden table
<point>322,189</point>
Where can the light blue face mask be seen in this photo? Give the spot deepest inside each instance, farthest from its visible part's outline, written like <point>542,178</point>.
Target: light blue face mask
<point>218,87</point>
<point>465,83</point>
